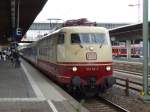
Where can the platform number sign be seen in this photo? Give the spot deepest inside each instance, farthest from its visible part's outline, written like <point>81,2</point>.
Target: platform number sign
<point>19,32</point>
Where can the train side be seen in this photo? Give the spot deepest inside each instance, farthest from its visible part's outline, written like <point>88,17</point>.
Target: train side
<point>121,50</point>
<point>79,56</point>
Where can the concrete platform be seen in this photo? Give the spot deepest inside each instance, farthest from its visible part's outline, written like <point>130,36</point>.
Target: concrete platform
<point>57,98</point>
<point>25,89</point>
<point>13,82</point>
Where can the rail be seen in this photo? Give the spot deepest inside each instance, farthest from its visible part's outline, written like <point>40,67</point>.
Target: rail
<point>135,67</point>
<point>115,106</point>
<point>102,104</point>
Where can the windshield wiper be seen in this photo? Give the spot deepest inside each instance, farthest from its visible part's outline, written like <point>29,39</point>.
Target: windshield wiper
<point>101,44</point>
<point>81,45</point>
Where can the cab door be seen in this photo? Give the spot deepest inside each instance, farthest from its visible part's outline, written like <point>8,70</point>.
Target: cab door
<point>60,47</point>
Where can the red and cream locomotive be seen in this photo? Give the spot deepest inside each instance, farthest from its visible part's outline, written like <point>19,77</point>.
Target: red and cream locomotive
<point>75,56</point>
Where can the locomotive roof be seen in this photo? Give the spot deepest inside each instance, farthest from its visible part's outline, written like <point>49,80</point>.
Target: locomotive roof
<point>72,29</point>
<point>83,28</point>
<point>77,29</point>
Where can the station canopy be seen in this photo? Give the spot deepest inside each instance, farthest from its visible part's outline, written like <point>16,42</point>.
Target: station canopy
<point>127,32</point>
<point>17,14</point>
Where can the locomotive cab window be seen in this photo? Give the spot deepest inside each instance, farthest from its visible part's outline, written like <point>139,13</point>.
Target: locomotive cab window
<point>89,38</point>
<point>60,39</point>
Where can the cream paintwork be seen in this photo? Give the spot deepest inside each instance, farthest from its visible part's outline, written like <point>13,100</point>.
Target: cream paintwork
<point>73,52</point>
<point>77,54</point>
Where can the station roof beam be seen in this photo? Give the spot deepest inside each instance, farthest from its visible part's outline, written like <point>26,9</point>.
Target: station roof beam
<point>11,15</point>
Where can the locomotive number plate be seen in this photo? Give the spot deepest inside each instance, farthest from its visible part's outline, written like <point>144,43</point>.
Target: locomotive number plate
<point>91,56</point>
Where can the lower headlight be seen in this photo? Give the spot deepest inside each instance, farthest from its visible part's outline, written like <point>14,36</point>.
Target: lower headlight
<point>108,68</point>
<point>74,69</point>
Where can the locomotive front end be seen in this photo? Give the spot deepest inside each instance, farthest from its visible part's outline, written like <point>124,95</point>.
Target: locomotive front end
<point>87,60</point>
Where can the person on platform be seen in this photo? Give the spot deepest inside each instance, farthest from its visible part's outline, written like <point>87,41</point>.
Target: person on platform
<point>4,56</point>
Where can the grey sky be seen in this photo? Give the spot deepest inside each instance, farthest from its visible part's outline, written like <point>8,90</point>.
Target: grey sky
<point>94,10</point>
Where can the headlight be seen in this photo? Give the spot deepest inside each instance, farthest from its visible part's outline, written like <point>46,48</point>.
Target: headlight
<point>108,68</point>
<point>74,69</point>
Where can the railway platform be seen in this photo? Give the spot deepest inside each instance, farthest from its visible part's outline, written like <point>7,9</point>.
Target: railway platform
<point>25,89</point>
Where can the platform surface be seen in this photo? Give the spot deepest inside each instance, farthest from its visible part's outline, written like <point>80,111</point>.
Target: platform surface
<point>13,82</point>
<point>25,89</point>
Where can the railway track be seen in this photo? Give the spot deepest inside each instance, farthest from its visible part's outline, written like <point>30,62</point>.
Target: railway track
<point>134,78</point>
<point>131,67</point>
<point>129,80</point>
<point>102,104</point>
<point>129,72</point>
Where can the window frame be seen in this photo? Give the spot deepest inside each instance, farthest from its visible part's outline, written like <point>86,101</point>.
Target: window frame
<point>90,39</point>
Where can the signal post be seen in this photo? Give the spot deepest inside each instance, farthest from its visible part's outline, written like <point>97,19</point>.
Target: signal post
<point>146,96</point>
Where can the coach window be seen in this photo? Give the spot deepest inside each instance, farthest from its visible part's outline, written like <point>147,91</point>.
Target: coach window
<point>60,39</point>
